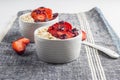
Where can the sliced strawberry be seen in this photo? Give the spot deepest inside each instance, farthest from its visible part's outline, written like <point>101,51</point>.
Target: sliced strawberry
<point>19,47</point>
<point>69,34</point>
<point>42,14</point>
<point>54,33</point>
<point>56,26</point>
<point>84,36</point>
<point>33,14</point>
<point>24,40</point>
<point>60,33</point>
<point>41,17</point>
<point>50,28</point>
<point>48,13</point>
<point>68,26</point>
<point>63,30</point>
<point>65,26</point>
<point>59,26</point>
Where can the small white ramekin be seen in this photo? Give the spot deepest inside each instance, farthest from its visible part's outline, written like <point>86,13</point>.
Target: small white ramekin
<point>27,28</point>
<point>57,51</point>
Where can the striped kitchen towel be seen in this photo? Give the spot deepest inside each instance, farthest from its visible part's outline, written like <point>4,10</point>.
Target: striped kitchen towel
<point>91,65</point>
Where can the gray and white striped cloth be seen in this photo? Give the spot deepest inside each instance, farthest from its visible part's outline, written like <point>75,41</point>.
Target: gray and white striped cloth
<point>91,65</point>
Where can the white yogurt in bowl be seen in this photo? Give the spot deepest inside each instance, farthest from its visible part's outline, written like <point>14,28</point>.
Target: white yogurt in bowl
<point>28,26</point>
<point>56,50</point>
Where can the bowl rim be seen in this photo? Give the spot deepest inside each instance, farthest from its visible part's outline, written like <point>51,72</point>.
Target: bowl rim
<point>35,22</point>
<point>78,36</point>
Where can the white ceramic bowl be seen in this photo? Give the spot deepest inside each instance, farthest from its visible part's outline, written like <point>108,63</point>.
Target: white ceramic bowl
<point>57,51</point>
<point>27,28</point>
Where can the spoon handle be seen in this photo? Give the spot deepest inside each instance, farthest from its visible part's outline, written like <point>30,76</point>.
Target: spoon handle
<point>107,51</point>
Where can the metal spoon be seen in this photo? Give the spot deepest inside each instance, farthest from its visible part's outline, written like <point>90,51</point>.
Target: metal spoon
<point>107,51</point>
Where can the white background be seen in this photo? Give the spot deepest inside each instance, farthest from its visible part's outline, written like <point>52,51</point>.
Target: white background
<point>110,9</point>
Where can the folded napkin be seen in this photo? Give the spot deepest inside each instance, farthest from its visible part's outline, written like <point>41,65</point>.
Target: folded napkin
<point>91,65</point>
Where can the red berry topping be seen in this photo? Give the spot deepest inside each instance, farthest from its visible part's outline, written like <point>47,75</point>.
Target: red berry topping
<point>20,44</point>
<point>68,26</point>
<point>18,47</point>
<point>43,14</point>
<point>63,30</point>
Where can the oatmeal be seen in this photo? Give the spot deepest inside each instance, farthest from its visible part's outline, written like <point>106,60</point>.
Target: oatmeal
<point>27,18</point>
<point>43,33</point>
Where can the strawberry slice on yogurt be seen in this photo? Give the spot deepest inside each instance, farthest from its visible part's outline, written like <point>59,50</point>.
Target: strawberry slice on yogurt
<point>63,30</point>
